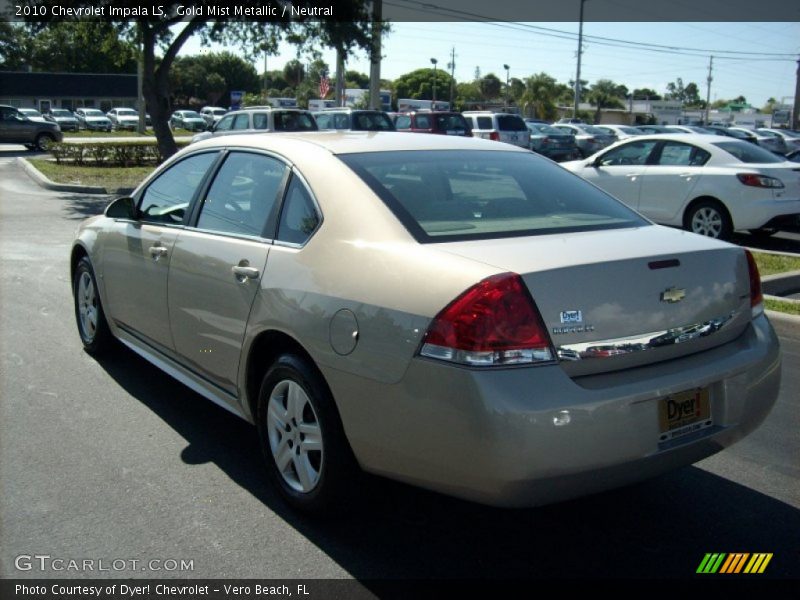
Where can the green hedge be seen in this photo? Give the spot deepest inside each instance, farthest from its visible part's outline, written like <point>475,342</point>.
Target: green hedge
<point>116,154</point>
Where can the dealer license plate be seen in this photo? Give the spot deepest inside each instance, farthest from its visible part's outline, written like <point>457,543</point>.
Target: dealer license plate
<point>684,413</point>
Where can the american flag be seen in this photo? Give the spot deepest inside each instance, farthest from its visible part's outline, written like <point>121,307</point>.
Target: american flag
<point>324,86</point>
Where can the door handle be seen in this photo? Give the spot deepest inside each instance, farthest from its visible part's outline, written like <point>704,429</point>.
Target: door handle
<point>243,272</point>
<point>157,252</point>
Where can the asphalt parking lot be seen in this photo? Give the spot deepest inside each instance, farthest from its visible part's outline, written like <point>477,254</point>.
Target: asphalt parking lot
<point>113,459</point>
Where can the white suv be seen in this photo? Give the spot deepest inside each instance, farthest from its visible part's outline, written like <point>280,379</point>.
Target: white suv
<point>502,127</point>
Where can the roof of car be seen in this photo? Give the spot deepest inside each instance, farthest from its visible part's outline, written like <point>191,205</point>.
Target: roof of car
<point>348,142</point>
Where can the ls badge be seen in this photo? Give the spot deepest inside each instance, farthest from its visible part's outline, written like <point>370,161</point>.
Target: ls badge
<point>673,295</point>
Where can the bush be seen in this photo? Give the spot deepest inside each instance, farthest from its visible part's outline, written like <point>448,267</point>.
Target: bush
<point>111,153</point>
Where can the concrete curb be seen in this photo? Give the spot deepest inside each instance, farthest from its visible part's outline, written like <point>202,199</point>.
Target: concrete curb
<point>44,182</point>
<point>785,325</point>
<point>781,283</point>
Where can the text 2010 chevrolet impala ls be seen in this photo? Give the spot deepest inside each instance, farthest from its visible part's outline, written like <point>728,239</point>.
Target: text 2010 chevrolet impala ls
<point>450,312</point>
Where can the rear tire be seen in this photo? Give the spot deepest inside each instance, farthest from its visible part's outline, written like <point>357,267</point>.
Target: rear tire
<point>709,218</point>
<point>92,325</point>
<point>308,457</point>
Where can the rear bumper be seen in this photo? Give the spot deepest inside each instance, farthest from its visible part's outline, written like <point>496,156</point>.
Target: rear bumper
<point>499,437</point>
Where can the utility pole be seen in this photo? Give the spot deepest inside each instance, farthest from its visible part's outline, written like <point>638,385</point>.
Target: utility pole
<point>709,79</point>
<point>578,75</point>
<point>452,66</point>
<point>375,56</point>
<point>796,110</point>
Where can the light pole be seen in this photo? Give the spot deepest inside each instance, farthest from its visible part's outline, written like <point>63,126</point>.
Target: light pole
<point>578,75</point>
<point>434,62</point>
<point>506,67</point>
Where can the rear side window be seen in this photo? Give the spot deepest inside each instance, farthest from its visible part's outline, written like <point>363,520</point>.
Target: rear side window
<point>748,153</point>
<point>243,196</point>
<point>451,123</point>
<point>510,123</point>
<point>457,195</point>
<point>166,199</point>
<point>299,217</point>
<point>293,121</point>
<point>485,123</point>
<point>682,155</point>
<point>241,122</point>
<point>260,121</point>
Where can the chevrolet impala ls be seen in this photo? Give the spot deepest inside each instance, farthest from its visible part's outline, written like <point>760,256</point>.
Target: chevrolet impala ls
<point>450,312</point>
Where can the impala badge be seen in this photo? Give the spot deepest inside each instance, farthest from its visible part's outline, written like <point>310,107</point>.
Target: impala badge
<point>673,295</point>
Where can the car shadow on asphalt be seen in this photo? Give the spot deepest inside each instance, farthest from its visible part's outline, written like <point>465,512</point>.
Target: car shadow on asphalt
<point>78,207</point>
<point>777,243</point>
<point>661,528</point>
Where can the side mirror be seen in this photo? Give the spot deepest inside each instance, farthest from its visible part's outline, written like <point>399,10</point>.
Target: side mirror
<point>122,208</point>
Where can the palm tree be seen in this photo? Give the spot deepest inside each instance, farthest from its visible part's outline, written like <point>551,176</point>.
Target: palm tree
<point>539,99</point>
<point>605,94</point>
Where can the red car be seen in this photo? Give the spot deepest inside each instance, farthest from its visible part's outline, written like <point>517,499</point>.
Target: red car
<point>445,123</point>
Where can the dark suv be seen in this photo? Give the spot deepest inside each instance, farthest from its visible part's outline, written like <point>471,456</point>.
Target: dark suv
<point>444,123</point>
<point>354,119</point>
<point>16,128</point>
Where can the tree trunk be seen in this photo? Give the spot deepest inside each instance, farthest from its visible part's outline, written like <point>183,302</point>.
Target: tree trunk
<point>156,94</point>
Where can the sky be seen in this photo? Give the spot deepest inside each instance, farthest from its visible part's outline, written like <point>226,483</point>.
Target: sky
<point>529,49</point>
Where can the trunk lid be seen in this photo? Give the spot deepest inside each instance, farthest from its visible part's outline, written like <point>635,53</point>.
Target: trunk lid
<point>630,296</point>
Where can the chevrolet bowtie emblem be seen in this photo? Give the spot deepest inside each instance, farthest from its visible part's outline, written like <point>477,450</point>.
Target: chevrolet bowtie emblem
<point>673,295</point>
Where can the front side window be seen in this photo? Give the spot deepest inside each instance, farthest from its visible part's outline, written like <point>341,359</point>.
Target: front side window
<point>225,124</point>
<point>423,122</point>
<point>456,195</point>
<point>402,122</point>
<point>299,217</point>
<point>166,199</point>
<point>635,153</point>
<point>242,198</point>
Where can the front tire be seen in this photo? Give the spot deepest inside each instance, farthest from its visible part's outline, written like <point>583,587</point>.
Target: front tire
<point>307,454</point>
<point>92,325</point>
<point>709,218</point>
<point>44,141</point>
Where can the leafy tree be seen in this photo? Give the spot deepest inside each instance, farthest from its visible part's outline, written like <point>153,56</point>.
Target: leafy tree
<point>419,84</point>
<point>467,94</point>
<point>689,95</point>
<point>606,94</point>
<point>540,96</point>
<point>490,86</point>
<point>645,94</point>
<point>191,77</point>
<point>516,89</point>
<point>294,72</point>
<point>354,79</point>
<point>66,46</point>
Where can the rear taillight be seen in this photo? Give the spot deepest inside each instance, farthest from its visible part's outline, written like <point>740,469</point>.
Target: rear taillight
<point>493,323</point>
<point>756,180</point>
<point>756,295</point>
<point>494,136</point>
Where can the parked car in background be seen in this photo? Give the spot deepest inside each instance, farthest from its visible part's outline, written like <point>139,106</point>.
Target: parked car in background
<point>688,129</point>
<point>739,134</point>
<point>123,118</point>
<point>622,132</point>
<point>353,119</point>
<point>212,114</point>
<point>18,128</point>
<point>552,142</point>
<point>589,139</point>
<point>454,313</point>
<point>258,119</point>
<point>445,123</point>
<point>768,142</point>
<point>93,119</point>
<point>651,129</point>
<point>65,119</point>
<point>711,185</point>
<point>188,119</point>
<point>791,139</point>
<point>793,156</point>
<point>499,127</point>
<point>33,114</point>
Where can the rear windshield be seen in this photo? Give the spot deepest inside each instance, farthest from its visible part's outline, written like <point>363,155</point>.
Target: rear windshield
<point>748,153</point>
<point>510,123</point>
<point>450,195</point>
<point>546,129</point>
<point>595,130</point>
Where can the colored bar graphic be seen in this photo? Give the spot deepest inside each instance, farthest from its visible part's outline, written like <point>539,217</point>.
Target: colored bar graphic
<point>723,563</point>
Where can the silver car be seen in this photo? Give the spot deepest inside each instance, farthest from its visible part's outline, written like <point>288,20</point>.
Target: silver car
<point>454,313</point>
